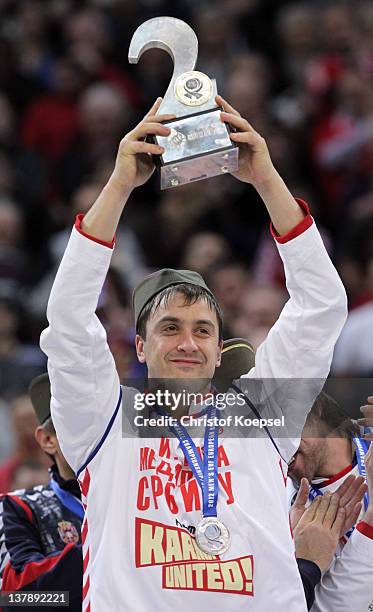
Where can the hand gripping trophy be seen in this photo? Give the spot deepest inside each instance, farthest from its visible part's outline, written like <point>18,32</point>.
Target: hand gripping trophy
<point>199,145</point>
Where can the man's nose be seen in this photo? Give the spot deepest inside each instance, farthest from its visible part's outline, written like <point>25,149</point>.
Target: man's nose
<point>187,343</point>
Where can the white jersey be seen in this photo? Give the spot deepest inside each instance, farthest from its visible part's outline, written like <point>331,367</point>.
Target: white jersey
<point>142,501</point>
<point>347,584</point>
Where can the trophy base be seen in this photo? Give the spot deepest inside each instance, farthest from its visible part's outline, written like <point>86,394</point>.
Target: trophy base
<point>199,146</point>
<point>199,168</point>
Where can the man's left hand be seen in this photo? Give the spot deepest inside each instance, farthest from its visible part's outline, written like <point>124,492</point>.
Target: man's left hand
<point>350,494</point>
<point>255,164</point>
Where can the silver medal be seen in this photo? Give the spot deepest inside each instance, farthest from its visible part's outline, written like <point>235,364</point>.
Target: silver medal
<point>212,536</point>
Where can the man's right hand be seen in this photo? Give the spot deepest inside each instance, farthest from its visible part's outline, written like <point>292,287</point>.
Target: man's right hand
<point>134,164</point>
<point>317,533</point>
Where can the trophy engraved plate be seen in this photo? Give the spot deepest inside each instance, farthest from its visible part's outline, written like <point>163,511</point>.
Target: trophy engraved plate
<point>199,145</point>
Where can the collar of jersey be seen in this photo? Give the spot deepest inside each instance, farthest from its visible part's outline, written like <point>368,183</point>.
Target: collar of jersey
<point>322,482</point>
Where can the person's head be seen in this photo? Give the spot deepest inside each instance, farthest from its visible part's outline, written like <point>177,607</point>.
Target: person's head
<point>260,308</point>
<point>248,84</point>
<point>103,112</point>
<point>10,223</point>
<point>229,282</point>
<point>45,433</point>
<point>28,475</point>
<point>297,28</point>
<point>326,426</point>
<point>46,437</point>
<point>204,250</point>
<point>179,330</point>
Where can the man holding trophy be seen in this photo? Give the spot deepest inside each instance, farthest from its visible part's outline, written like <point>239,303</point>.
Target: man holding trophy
<point>183,520</point>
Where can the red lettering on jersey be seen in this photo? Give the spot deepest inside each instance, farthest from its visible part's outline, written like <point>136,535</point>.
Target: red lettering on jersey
<point>143,501</point>
<point>157,489</point>
<point>171,502</point>
<point>147,456</point>
<point>226,482</point>
<point>190,492</point>
<point>178,472</point>
<point>164,448</point>
<point>165,468</point>
<point>222,457</point>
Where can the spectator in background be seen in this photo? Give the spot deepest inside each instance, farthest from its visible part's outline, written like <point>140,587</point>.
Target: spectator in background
<point>27,456</point>
<point>260,308</point>
<point>353,354</point>
<point>104,114</point>
<point>248,86</point>
<point>31,40</point>
<point>6,436</point>
<point>204,250</point>
<point>114,310</point>
<point>51,123</point>
<point>298,34</point>
<point>19,361</point>
<point>27,474</point>
<point>128,258</point>
<point>12,258</point>
<point>88,35</point>
<point>229,282</point>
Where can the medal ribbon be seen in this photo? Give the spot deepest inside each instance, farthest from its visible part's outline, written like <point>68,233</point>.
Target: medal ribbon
<point>206,472</point>
<point>68,500</point>
<point>362,448</point>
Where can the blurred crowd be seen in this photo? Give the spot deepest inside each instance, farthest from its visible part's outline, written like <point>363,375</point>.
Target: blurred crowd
<point>300,72</point>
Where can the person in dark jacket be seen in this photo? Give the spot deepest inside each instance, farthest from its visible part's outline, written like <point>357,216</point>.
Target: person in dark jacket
<point>40,528</point>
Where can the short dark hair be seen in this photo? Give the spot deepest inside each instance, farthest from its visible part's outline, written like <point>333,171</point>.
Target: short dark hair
<point>327,412</point>
<point>191,293</point>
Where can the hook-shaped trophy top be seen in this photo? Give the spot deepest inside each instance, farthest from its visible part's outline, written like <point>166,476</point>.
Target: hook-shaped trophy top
<point>180,41</point>
<point>167,33</point>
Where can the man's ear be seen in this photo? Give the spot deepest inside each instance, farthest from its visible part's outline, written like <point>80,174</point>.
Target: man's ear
<point>140,349</point>
<point>218,358</point>
<point>46,440</point>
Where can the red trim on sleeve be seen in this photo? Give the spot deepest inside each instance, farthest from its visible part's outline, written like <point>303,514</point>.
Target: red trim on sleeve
<point>298,229</point>
<point>365,529</point>
<point>31,571</point>
<point>78,226</point>
<point>24,506</point>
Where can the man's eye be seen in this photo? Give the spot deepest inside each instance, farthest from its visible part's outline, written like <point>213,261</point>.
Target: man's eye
<point>170,328</point>
<point>202,330</point>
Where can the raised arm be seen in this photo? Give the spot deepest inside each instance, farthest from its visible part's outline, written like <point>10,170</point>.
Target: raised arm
<point>300,344</point>
<point>84,382</point>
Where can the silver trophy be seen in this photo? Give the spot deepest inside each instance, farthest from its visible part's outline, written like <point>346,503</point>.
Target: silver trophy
<point>199,145</point>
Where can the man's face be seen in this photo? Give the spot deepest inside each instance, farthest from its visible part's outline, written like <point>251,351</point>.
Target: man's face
<point>306,461</point>
<point>181,341</point>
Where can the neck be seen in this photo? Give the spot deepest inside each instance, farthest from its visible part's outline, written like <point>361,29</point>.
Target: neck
<point>339,454</point>
<point>64,469</point>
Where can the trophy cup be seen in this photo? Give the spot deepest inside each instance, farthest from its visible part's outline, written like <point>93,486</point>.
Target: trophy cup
<point>199,145</point>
